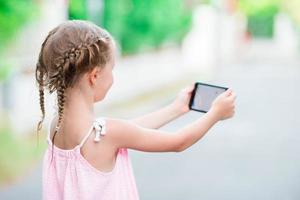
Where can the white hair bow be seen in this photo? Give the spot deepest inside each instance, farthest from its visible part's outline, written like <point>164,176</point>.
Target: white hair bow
<point>100,129</point>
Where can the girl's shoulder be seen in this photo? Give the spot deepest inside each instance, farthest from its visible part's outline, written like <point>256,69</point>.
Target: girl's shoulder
<point>114,125</point>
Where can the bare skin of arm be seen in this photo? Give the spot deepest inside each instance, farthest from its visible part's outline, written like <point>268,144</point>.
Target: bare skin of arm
<point>126,133</point>
<point>177,108</point>
<point>159,117</point>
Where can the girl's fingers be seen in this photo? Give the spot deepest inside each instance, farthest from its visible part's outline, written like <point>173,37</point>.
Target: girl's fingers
<point>228,92</point>
<point>232,97</point>
<point>189,88</point>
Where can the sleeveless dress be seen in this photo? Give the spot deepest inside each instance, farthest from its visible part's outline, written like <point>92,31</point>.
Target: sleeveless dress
<point>71,176</point>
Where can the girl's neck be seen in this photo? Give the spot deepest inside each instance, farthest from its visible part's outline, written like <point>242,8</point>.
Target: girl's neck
<point>79,104</point>
<point>77,117</point>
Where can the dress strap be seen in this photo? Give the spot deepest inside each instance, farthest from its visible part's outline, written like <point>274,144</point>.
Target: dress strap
<point>100,129</point>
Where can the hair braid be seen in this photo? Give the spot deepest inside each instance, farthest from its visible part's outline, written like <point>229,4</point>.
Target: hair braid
<point>42,106</point>
<point>40,74</point>
<point>61,97</point>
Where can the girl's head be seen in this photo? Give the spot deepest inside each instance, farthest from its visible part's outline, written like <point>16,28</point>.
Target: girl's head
<point>75,55</point>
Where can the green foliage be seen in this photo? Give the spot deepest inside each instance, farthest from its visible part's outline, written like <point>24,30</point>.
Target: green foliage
<point>139,24</point>
<point>251,7</point>
<point>13,14</point>
<point>260,16</point>
<point>78,9</point>
<point>261,24</point>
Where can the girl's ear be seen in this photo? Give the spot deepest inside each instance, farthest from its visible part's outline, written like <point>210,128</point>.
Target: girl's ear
<point>93,75</point>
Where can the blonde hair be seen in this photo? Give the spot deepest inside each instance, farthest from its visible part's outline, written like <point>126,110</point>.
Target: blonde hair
<point>71,49</point>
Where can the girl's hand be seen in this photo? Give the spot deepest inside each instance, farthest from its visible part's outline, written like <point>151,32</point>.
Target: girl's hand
<point>223,106</point>
<point>181,103</point>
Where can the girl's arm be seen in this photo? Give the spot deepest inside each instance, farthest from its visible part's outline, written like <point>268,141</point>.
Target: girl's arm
<point>158,118</point>
<point>178,107</point>
<point>125,134</point>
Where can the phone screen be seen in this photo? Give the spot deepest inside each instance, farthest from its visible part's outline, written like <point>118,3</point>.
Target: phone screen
<point>203,96</point>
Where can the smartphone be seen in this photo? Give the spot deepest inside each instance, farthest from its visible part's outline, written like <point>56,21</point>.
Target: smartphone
<point>203,95</point>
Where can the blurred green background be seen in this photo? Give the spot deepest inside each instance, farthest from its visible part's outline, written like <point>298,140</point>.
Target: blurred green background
<point>139,25</point>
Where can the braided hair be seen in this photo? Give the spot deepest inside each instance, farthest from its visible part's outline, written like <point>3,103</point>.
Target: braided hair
<point>71,49</point>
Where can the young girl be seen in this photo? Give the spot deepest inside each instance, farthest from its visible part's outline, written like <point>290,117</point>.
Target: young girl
<point>87,156</point>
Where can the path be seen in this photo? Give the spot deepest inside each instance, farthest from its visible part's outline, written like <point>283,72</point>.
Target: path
<point>253,156</point>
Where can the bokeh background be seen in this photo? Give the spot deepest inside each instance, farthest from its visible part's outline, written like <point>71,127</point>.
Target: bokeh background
<point>164,45</point>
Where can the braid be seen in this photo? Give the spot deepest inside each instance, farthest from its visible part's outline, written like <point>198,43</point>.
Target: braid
<point>61,98</point>
<point>40,73</point>
<point>60,95</point>
<point>42,106</point>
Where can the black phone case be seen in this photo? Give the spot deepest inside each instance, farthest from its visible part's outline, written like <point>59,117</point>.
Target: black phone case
<point>194,91</point>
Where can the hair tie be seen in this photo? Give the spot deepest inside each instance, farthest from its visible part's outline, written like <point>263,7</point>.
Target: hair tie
<point>56,128</point>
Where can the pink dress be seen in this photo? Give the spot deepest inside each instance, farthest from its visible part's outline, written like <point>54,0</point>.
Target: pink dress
<point>71,176</point>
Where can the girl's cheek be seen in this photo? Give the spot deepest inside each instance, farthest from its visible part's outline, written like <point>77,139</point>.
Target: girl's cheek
<point>112,78</point>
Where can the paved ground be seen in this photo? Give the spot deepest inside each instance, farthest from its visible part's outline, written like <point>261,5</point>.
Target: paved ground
<point>255,155</point>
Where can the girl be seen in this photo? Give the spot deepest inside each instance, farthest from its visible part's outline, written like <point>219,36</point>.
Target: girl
<point>87,156</point>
